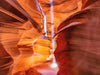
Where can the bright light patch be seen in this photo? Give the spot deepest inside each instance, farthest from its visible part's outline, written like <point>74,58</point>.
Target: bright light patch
<point>48,58</point>
<point>53,65</point>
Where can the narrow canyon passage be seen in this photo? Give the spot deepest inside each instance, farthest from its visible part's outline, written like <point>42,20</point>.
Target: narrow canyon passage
<point>24,50</point>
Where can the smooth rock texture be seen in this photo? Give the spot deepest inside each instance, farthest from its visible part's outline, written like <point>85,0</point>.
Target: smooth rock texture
<point>21,23</point>
<point>78,42</point>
